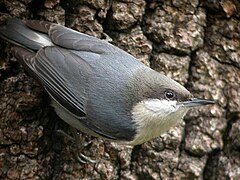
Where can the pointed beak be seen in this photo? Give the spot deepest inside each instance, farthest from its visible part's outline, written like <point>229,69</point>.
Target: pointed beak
<point>197,102</point>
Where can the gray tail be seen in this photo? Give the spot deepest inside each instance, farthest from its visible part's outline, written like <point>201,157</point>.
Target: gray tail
<point>19,34</point>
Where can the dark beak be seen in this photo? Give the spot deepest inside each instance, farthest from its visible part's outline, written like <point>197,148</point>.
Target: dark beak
<point>197,102</point>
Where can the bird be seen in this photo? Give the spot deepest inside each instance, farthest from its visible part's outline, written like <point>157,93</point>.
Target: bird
<point>96,87</point>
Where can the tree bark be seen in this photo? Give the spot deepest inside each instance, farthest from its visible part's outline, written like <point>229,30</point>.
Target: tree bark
<point>194,42</point>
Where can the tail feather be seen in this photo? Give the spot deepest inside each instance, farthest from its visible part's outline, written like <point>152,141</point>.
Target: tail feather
<point>18,33</point>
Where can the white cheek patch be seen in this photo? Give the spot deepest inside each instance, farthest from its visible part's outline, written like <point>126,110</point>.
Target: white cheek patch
<point>161,106</point>
<point>154,117</point>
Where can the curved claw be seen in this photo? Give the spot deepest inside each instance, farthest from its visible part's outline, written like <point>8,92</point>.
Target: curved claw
<point>84,159</point>
<point>80,156</point>
<point>81,144</point>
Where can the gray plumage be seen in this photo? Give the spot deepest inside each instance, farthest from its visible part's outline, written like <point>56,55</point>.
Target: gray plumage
<point>97,83</point>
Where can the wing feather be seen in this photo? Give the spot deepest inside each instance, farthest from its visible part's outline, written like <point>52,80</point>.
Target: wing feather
<point>72,39</point>
<point>64,76</point>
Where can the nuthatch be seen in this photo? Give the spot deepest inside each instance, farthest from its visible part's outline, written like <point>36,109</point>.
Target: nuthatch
<point>96,87</point>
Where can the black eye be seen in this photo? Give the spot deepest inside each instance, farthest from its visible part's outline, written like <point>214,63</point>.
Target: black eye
<point>169,94</point>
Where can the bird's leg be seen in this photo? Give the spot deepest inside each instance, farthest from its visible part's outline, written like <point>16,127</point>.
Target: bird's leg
<point>80,144</point>
<point>63,133</point>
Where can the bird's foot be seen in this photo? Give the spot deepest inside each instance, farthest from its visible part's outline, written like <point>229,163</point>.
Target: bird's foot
<point>80,144</point>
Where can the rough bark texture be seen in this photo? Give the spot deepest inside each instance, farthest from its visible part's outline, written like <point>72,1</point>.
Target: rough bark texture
<point>195,42</point>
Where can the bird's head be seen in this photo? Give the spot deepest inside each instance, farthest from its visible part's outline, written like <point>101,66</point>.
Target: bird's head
<point>164,106</point>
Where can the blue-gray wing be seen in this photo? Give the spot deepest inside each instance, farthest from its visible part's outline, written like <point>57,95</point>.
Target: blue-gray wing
<point>65,77</point>
<point>71,39</point>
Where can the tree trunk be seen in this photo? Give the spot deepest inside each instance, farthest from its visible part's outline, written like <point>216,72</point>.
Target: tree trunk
<point>194,42</point>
